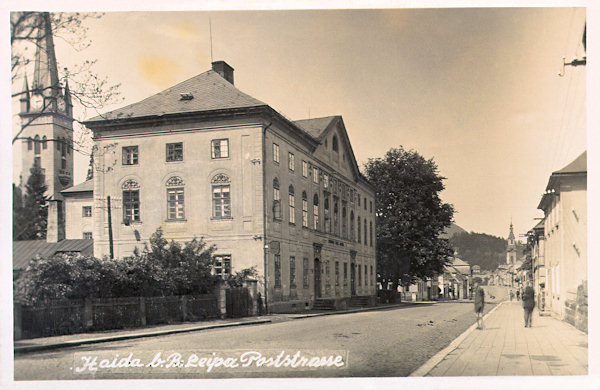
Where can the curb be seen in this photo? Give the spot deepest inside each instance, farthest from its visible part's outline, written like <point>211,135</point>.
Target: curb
<point>359,310</point>
<point>438,357</point>
<point>74,343</point>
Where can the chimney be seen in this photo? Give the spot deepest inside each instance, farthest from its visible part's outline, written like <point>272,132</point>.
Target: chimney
<point>222,68</point>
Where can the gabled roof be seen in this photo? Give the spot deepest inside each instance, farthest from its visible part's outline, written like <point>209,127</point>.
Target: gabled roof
<point>208,91</point>
<point>25,251</point>
<point>579,165</point>
<point>316,126</point>
<point>86,186</point>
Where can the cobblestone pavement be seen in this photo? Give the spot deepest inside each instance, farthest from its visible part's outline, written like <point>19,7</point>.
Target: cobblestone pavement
<point>505,347</point>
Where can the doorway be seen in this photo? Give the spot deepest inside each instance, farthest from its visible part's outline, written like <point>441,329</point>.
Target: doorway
<point>317,272</point>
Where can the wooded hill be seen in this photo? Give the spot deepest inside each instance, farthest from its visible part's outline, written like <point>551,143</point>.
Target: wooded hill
<point>481,249</point>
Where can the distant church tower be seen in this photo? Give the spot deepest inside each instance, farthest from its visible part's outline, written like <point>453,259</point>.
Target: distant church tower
<point>511,249</point>
<point>47,117</point>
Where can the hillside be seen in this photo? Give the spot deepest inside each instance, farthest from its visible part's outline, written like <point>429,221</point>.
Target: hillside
<point>480,249</point>
<point>452,230</point>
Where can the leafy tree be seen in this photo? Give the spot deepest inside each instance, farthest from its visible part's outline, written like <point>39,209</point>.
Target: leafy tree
<point>410,216</point>
<point>31,213</point>
<point>238,279</point>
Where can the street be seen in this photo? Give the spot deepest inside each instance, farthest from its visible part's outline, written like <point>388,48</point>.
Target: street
<point>390,342</point>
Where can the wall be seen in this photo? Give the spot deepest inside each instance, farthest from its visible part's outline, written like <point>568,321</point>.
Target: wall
<point>76,223</point>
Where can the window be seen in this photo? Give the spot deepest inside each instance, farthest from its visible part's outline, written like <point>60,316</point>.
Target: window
<point>87,235</point>
<point>276,200</point>
<point>359,274</point>
<point>37,162</point>
<point>175,205</point>
<point>304,209</point>
<point>291,161</point>
<point>371,233</point>
<point>63,162</point>
<point>277,271</point>
<point>222,266</point>
<point>336,226</point>
<point>29,144</point>
<point>304,169</point>
<point>325,180</point>
<point>366,242</point>
<point>327,218</point>
<point>358,226</point>
<point>370,206</point>
<point>334,143</point>
<point>276,153</point>
<point>316,212</point>
<point>352,236</point>
<point>86,211</point>
<point>44,143</point>
<point>175,151</point>
<point>337,273</point>
<point>365,203</point>
<point>292,272</point>
<point>130,155</point>
<point>219,148</point>
<point>371,278</point>
<point>221,196</point>
<point>131,202</point>
<point>36,144</point>
<point>327,275</point>
<point>344,221</point>
<point>366,277</point>
<point>345,274</point>
<point>315,175</point>
<point>305,280</point>
<point>358,199</point>
<point>292,204</point>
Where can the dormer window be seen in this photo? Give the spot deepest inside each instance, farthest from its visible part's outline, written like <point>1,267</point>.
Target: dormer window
<point>334,143</point>
<point>186,96</point>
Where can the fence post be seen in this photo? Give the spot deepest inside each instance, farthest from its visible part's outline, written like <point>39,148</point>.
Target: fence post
<point>252,286</point>
<point>88,313</point>
<point>18,328</point>
<point>222,303</point>
<point>143,311</point>
<point>183,304</point>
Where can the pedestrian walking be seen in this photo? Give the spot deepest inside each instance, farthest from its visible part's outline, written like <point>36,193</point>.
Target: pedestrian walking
<point>518,292</point>
<point>528,304</point>
<point>259,303</point>
<point>479,300</point>
<point>512,295</point>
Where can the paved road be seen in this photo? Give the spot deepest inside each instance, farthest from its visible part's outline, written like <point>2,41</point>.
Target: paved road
<point>391,342</point>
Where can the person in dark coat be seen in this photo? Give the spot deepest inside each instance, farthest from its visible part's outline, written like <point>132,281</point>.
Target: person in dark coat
<point>479,300</point>
<point>528,304</point>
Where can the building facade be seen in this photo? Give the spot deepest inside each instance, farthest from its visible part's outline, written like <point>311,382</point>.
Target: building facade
<point>203,159</point>
<point>565,242</point>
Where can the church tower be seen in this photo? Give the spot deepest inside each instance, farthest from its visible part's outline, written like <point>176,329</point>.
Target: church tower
<point>511,248</point>
<point>47,123</point>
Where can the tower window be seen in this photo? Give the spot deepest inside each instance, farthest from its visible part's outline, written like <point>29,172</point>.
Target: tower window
<point>36,145</point>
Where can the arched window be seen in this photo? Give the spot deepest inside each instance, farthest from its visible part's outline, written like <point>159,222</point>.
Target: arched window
<point>352,237</point>
<point>316,212</point>
<point>36,144</point>
<point>304,209</point>
<point>358,226</point>
<point>276,200</point>
<point>336,225</point>
<point>44,142</point>
<point>334,143</point>
<point>344,221</point>
<point>292,204</point>
<point>327,216</point>
<point>175,198</point>
<point>221,196</point>
<point>131,201</point>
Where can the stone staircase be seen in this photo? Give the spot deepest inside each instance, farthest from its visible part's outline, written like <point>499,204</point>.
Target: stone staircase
<point>324,304</point>
<point>359,301</point>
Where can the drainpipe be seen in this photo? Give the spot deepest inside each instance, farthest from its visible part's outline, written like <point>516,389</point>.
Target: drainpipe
<point>265,242</point>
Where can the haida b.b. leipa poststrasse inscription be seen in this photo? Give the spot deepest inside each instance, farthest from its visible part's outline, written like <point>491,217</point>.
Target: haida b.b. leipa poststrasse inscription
<point>206,362</point>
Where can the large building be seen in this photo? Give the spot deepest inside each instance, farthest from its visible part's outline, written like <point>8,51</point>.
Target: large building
<point>203,159</point>
<point>565,242</point>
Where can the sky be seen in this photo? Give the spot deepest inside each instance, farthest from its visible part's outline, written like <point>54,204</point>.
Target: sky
<point>475,89</point>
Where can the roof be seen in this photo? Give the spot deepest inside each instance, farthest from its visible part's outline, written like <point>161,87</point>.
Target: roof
<point>579,165</point>
<point>86,186</point>
<point>316,126</point>
<point>25,251</point>
<point>209,91</point>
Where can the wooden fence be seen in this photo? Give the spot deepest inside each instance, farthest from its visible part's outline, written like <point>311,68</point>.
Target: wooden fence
<point>55,318</point>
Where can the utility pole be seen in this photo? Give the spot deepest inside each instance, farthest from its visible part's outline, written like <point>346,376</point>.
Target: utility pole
<point>110,236</point>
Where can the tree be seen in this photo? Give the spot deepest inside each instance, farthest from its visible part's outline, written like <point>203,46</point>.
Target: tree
<point>88,89</point>
<point>31,213</point>
<point>480,249</point>
<point>410,216</point>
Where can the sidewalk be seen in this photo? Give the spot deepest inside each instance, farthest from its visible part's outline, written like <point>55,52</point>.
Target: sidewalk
<point>505,347</point>
<point>55,342</point>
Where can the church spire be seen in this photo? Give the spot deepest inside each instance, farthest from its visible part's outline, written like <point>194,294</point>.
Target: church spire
<point>45,74</point>
<point>24,99</point>
<point>511,235</point>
